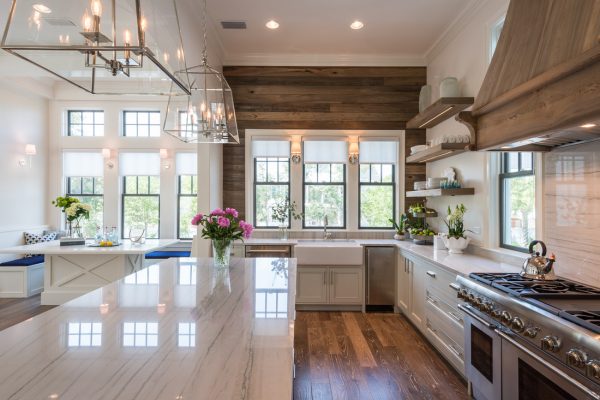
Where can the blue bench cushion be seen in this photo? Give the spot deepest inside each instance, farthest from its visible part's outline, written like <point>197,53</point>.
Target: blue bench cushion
<point>24,262</point>
<point>167,254</point>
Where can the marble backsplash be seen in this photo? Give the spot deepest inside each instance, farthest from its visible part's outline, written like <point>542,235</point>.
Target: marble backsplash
<point>572,211</point>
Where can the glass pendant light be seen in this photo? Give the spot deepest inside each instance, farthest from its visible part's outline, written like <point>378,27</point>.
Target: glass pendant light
<point>207,115</point>
<point>101,46</point>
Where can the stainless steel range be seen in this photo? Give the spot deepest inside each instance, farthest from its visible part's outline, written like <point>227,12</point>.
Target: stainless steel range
<point>530,339</point>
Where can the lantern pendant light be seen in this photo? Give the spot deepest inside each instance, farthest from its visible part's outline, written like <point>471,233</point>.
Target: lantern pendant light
<point>207,115</point>
<point>101,46</point>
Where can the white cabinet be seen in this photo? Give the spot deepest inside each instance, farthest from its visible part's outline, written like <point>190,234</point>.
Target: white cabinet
<point>346,285</point>
<point>411,290</point>
<point>312,285</point>
<point>330,285</point>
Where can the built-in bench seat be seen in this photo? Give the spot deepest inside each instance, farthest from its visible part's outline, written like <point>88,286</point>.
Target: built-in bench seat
<point>160,255</point>
<point>22,277</point>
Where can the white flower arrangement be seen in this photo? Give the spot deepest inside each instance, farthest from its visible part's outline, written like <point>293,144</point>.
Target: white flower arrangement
<point>77,210</point>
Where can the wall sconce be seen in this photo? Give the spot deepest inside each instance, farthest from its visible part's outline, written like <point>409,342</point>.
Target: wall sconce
<point>296,150</point>
<point>30,151</point>
<point>164,156</point>
<point>107,155</point>
<point>353,152</point>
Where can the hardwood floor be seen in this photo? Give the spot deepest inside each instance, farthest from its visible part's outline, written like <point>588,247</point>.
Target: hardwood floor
<point>13,311</point>
<point>346,355</point>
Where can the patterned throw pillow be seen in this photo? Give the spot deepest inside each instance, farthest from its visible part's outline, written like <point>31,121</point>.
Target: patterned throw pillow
<point>33,238</point>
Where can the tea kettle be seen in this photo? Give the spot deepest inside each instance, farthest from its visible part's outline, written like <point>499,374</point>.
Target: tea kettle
<point>538,266</point>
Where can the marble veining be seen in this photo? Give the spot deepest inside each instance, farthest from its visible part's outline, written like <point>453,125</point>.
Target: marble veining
<point>180,329</point>
<point>572,211</point>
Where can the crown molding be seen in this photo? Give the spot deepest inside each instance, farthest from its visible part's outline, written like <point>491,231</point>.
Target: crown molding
<point>321,60</point>
<point>455,28</point>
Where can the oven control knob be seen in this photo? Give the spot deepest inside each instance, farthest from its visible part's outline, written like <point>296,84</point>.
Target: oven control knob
<point>517,324</point>
<point>478,302</point>
<point>550,343</point>
<point>506,317</point>
<point>496,313</point>
<point>487,307</point>
<point>576,358</point>
<point>471,298</point>
<point>462,294</point>
<point>531,332</point>
<point>593,369</point>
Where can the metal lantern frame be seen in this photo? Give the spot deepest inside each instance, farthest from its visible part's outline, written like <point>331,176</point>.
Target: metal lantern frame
<point>102,52</point>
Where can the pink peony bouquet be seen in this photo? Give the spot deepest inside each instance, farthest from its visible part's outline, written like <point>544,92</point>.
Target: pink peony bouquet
<point>223,225</point>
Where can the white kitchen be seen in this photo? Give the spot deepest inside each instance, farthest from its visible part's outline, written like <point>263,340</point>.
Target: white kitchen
<point>209,199</point>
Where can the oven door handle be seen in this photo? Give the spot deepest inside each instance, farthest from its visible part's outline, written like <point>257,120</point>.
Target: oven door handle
<point>557,371</point>
<point>469,311</point>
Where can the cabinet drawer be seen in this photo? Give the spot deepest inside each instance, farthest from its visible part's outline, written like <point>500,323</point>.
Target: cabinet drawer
<point>255,251</point>
<point>444,317</point>
<point>440,280</point>
<point>450,309</point>
<point>446,346</point>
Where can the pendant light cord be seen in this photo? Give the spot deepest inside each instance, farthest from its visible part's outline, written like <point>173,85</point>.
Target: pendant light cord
<point>205,49</point>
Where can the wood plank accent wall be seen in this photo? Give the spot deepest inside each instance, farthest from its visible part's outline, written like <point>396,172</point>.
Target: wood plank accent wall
<point>319,98</point>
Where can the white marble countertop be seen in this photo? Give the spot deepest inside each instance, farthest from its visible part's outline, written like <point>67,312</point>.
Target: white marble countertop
<point>462,264</point>
<point>125,247</point>
<point>179,329</point>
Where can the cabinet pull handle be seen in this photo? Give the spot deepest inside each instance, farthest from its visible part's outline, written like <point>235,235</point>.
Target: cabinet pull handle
<point>267,251</point>
<point>456,317</point>
<point>325,278</point>
<point>455,351</point>
<point>454,286</point>
<point>431,274</point>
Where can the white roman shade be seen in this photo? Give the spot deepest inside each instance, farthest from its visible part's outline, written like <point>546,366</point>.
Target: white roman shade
<point>132,164</point>
<point>271,148</point>
<point>186,163</point>
<point>325,151</point>
<point>378,152</point>
<point>83,164</point>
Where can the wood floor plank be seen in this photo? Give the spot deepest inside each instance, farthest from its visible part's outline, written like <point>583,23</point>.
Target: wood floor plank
<point>14,311</point>
<point>321,391</point>
<point>318,357</point>
<point>363,353</point>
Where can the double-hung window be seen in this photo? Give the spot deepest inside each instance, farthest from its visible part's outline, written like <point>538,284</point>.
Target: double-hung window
<point>83,174</point>
<point>85,123</point>
<point>517,200</point>
<point>140,175</point>
<point>187,193</point>
<point>141,123</point>
<point>377,184</point>
<point>324,181</point>
<point>271,180</point>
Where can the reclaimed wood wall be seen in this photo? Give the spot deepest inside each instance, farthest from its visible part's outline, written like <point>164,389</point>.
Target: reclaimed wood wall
<point>320,98</point>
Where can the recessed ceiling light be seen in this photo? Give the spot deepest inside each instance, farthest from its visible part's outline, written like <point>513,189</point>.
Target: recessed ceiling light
<point>587,125</point>
<point>357,25</point>
<point>42,8</point>
<point>272,24</point>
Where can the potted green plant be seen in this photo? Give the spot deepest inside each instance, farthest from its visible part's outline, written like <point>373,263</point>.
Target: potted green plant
<point>401,226</point>
<point>280,213</point>
<point>456,241</point>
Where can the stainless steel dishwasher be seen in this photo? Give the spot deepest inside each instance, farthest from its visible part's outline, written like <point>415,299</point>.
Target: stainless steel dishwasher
<point>380,273</point>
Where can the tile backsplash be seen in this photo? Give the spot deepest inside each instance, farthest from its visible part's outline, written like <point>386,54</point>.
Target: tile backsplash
<point>572,210</point>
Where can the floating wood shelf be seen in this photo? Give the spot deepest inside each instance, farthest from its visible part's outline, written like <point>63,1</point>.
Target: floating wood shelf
<point>441,110</point>
<point>441,192</point>
<point>438,152</point>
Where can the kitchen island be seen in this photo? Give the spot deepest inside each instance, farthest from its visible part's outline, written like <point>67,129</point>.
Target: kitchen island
<point>180,329</point>
<point>71,271</point>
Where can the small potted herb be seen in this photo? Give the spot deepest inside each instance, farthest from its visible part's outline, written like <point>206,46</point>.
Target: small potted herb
<point>401,226</point>
<point>456,240</point>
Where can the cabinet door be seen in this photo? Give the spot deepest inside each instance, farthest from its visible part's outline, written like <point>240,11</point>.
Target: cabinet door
<point>404,285</point>
<point>417,298</point>
<point>345,285</point>
<point>312,285</point>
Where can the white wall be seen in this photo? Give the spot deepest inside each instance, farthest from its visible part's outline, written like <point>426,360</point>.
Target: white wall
<point>462,52</point>
<point>24,116</point>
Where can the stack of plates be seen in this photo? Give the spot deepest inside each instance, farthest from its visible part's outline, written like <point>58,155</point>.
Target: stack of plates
<point>416,149</point>
<point>421,185</point>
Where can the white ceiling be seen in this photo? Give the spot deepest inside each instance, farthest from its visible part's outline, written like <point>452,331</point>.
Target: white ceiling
<point>398,28</point>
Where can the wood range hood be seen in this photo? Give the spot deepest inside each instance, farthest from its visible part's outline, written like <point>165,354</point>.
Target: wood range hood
<point>542,89</point>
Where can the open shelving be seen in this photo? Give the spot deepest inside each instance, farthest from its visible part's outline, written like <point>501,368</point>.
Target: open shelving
<point>438,152</point>
<point>441,192</point>
<point>441,110</point>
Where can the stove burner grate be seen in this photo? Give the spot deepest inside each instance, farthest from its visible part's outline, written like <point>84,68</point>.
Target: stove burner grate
<point>524,287</point>
<point>587,319</point>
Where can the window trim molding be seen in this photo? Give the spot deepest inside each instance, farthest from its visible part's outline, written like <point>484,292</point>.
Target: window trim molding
<point>178,203</point>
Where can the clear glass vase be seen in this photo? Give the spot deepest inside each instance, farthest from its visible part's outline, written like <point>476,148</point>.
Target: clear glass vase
<point>283,232</point>
<point>221,252</point>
